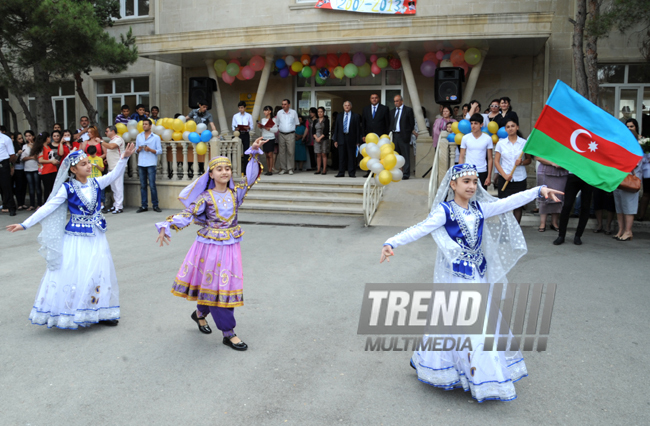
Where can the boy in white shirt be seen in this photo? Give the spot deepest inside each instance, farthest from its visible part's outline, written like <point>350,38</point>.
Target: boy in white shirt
<point>476,149</point>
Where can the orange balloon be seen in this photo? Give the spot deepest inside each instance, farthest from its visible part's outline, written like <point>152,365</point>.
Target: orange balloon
<point>457,57</point>
<point>305,59</point>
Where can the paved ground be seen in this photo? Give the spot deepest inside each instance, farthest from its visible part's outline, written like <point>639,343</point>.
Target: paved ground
<point>306,365</point>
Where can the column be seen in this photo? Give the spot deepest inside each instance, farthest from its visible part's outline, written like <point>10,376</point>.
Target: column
<point>217,101</point>
<point>261,89</point>
<point>413,91</point>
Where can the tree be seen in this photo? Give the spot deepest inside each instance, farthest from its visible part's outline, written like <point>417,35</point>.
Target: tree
<point>45,39</point>
<point>586,61</point>
<point>626,16</point>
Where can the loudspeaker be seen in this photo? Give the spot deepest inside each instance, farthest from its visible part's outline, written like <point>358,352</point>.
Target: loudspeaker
<point>449,85</point>
<point>201,89</point>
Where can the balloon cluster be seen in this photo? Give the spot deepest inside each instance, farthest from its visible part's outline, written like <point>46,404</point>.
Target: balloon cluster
<point>170,129</point>
<point>229,71</point>
<point>453,58</point>
<point>463,127</point>
<point>379,156</point>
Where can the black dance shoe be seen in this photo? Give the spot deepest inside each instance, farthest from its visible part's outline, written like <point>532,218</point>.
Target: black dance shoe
<point>202,328</point>
<point>558,241</point>
<point>412,366</point>
<point>111,323</point>
<point>577,241</point>
<point>241,346</point>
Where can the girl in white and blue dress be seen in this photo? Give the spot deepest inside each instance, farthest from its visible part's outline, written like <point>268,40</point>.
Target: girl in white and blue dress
<point>79,287</point>
<point>479,241</point>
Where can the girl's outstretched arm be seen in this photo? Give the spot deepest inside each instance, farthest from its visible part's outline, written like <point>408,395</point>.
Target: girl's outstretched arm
<point>43,212</point>
<point>519,199</point>
<point>179,221</point>
<point>253,170</point>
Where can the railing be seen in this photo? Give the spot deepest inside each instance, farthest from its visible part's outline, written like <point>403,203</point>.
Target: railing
<point>442,160</point>
<point>372,194</point>
<point>433,179</point>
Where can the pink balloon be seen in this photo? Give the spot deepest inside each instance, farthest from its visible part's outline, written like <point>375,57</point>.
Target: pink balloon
<point>440,54</point>
<point>374,68</point>
<point>428,68</point>
<point>373,58</point>
<point>235,61</point>
<point>257,63</point>
<point>431,56</point>
<point>227,78</point>
<point>247,72</point>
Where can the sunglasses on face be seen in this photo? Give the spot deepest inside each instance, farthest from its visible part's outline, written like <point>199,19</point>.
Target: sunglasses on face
<point>494,106</point>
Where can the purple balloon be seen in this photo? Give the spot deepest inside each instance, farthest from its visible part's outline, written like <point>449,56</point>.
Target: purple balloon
<point>359,59</point>
<point>313,60</point>
<point>428,68</point>
<point>284,72</point>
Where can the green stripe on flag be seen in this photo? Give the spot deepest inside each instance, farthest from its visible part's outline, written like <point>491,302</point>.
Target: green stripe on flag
<point>595,174</point>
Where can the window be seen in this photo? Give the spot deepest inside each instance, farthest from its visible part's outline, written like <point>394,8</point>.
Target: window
<point>625,92</point>
<point>63,103</point>
<point>112,94</point>
<point>134,8</point>
<point>5,116</point>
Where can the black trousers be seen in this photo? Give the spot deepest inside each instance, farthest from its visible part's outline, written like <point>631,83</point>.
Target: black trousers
<point>573,185</point>
<point>8,201</point>
<point>20,186</point>
<point>347,156</point>
<point>403,147</point>
<point>246,142</point>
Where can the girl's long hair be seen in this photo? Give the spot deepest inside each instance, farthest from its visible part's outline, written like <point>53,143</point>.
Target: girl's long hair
<point>39,142</point>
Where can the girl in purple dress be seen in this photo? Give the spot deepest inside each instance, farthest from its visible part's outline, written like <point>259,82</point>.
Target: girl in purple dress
<point>211,273</point>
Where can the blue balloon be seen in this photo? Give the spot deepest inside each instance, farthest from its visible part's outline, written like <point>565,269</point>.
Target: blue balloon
<point>501,133</point>
<point>206,136</point>
<point>451,137</point>
<point>280,63</point>
<point>484,129</point>
<point>324,73</point>
<point>464,127</point>
<point>446,56</point>
<point>194,137</point>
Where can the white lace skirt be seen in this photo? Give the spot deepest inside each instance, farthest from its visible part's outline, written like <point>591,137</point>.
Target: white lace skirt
<point>83,290</point>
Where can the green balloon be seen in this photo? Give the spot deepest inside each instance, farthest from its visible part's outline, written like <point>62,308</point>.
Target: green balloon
<point>339,73</point>
<point>351,70</point>
<point>364,70</point>
<point>319,80</point>
<point>232,69</point>
<point>307,72</point>
<point>382,63</point>
<point>220,66</point>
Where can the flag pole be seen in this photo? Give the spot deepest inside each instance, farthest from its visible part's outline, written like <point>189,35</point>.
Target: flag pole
<point>512,172</point>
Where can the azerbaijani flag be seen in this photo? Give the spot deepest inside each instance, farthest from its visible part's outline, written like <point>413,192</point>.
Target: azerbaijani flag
<point>584,139</point>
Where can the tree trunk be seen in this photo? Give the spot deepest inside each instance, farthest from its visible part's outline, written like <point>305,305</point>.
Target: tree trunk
<point>19,95</point>
<point>578,52</point>
<point>45,112</point>
<point>92,112</point>
<point>592,55</point>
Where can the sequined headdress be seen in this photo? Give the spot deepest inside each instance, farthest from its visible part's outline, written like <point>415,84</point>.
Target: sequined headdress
<point>461,170</point>
<point>193,190</point>
<point>220,160</point>
<point>76,156</point>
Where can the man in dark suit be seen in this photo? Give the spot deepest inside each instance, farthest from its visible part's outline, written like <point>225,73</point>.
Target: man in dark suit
<point>347,138</point>
<point>402,123</point>
<point>375,119</point>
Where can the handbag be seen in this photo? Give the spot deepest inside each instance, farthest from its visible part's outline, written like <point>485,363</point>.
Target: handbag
<point>631,184</point>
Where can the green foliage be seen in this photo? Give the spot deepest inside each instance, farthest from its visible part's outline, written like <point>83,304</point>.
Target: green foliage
<point>624,15</point>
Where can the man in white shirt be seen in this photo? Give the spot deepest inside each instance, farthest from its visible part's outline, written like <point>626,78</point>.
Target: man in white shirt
<point>476,149</point>
<point>287,120</point>
<point>83,132</point>
<point>114,150</point>
<point>243,122</point>
<point>7,157</point>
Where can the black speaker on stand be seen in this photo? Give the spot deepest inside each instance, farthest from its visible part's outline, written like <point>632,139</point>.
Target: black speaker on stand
<point>449,85</point>
<point>201,89</point>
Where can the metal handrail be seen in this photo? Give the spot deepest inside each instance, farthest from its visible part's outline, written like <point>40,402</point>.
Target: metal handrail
<point>433,180</point>
<point>372,194</point>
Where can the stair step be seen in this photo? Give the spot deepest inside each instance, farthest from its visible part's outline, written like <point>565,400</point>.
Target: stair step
<point>293,198</point>
<point>301,208</point>
<point>307,188</point>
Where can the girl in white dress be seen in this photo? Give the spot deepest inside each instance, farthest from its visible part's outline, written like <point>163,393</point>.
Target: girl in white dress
<point>479,241</point>
<point>79,287</point>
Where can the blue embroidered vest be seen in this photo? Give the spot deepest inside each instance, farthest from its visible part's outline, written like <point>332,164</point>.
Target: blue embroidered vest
<point>471,259</point>
<point>85,213</point>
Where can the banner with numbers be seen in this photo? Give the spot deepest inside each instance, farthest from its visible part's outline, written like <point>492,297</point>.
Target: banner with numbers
<point>393,7</point>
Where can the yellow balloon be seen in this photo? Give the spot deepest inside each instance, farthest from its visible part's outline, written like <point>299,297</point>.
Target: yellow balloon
<point>296,66</point>
<point>201,148</point>
<point>140,128</point>
<point>364,163</point>
<point>178,125</point>
<point>384,136</point>
<point>454,127</point>
<point>389,162</point>
<point>385,177</point>
<point>385,150</point>
<point>177,136</point>
<point>363,152</point>
<point>459,138</point>
<point>160,122</point>
<point>495,138</point>
<point>121,128</point>
<point>190,126</point>
<point>392,145</point>
<point>493,127</point>
<point>372,138</point>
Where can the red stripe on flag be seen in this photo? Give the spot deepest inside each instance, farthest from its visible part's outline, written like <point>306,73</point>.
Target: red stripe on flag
<point>602,151</point>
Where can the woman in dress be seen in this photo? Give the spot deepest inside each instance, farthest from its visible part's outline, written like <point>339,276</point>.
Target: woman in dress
<point>211,273</point>
<point>440,124</point>
<point>555,177</point>
<point>268,134</point>
<point>478,241</point>
<point>321,131</point>
<point>94,140</point>
<point>80,285</point>
<point>627,203</point>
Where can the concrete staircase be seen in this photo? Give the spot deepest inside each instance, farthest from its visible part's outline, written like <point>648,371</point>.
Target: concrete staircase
<point>306,193</point>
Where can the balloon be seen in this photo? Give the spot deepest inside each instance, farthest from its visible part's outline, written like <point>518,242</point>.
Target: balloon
<point>385,150</point>
<point>396,174</point>
<point>464,126</point>
<point>121,128</point>
<point>182,118</point>
<point>344,59</point>
<point>227,78</point>
<point>201,127</point>
<point>307,72</point>
<point>454,127</point>
<point>314,58</point>
<point>375,166</point>
<point>289,59</point>
<point>161,121</point>
<point>373,151</point>
<point>132,124</point>
<point>428,68</point>
<point>186,135</point>
<point>257,63</point>
<point>351,70</point>
<point>395,63</point>
<point>321,62</point>
<point>373,58</point>
<point>458,138</point>
<point>372,138</point>
<point>359,59</point>
<point>319,80</point>
<point>284,72</point>
<point>383,141</point>
<point>305,59</point>
<point>362,147</point>
<point>390,161</point>
<point>206,135</point>
<point>178,125</point>
<point>431,56</point>
<point>384,136</point>
<point>446,63</point>
<point>194,137</point>
<point>201,148</point>
<point>235,61</point>
<point>280,63</point>
<point>190,126</point>
<point>331,70</point>
<point>440,54</point>
<point>134,133</point>
<point>220,66</point>
<point>248,72</point>
<point>501,133</point>
<point>451,137</point>
<point>364,163</point>
<point>472,56</point>
<point>447,56</point>
<point>332,60</point>
<point>323,73</point>
<point>484,129</point>
<point>382,63</point>
<point>374,68</point>
<point>167,135</point>
<point>232,69</point>
<point>493,127</point>
<point>364,70</point>
<point>126,136</point>
<point>457,57</point>
<point>339,73</point>
<point>177,136</point>
<point>296,67</point>
<point>495,139</point>
<point>240,76</point>
<point>385,177</point>
<point>158,130</point>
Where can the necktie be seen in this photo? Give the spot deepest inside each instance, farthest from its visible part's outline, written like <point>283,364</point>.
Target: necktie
<point>396,118</point>
<point>374,109</point>
<point>347,122</point>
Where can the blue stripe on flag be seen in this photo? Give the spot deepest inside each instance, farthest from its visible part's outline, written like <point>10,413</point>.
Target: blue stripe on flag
<point>572,105</point>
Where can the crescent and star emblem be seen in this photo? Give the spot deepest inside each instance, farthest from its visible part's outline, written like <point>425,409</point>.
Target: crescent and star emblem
<point>593,146</point>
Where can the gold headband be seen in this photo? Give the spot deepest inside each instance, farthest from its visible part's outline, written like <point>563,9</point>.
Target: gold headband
<point>220,160</point>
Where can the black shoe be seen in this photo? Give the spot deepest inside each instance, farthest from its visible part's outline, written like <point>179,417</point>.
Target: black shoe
<point>111,210</point>
<point>405,178</point>
<point>241,346</point>
<point>554,228</point>
<point>353,176</point>
<point>202,328</point>
<point>12,213</point>
<point>157,209</point>
<point>317,173</point>
<point>340,175</point>
<point>142,209</point>
<point>577,241</point>
<point>111,323</point>
<point>558,241</point>
<point>412,366</point>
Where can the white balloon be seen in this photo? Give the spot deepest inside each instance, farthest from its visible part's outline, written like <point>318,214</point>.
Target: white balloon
<point>132,124</point>
<point>446,63</point>
<point>383,141</point>
<point>400,161</point>
<point>397,175</point>
<point>158,130</point>
<point>289,60</point>
<point>373,151</point>
<point>134,133</point>
<point>371,162</point>
<point>182,118</point>
<point>201,127</point>
<point>186,135</point>
<point>127,137</point>
<point>377,181</point>
<point>376,168</point>
<point>167,135</point>
<point>215,133</point>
